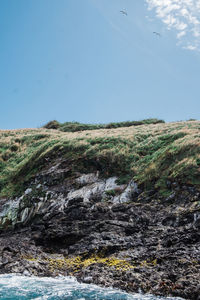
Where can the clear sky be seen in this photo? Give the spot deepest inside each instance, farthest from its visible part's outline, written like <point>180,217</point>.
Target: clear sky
<point>83,60</point>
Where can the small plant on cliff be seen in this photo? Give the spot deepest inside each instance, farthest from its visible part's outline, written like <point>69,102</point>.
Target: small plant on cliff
<point>111,193</point>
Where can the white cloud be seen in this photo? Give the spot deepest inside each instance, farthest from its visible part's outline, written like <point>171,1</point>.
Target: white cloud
<point>190,47</point>
<point>181,34</point>
<point>182,16</point>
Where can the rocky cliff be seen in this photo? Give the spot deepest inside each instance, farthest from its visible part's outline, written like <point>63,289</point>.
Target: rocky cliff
<point>73,210</point>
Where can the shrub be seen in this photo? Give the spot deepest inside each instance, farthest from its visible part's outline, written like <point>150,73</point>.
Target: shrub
<point>76,126</point>
<point>52,125</point>
<point>14,147</point>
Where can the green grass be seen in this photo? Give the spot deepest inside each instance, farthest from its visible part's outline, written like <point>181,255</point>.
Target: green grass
<point>152,154</point>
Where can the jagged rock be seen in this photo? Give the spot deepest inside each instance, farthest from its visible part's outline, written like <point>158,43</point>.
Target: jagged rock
<point>28,191</point>
<point>87,178</point>
<point>94,190</point>
<point>128,193</point>
<point>103,233</point>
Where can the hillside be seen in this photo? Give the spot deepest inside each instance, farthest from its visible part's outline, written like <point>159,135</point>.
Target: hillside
<point>151,154</point>
<point>116,207</point>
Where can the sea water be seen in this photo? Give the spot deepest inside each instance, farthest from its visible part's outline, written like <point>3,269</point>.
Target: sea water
<point>16,287</point>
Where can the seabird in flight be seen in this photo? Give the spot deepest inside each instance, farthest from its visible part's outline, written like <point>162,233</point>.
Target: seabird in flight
<point>157,33</point>
<point>123,12</point>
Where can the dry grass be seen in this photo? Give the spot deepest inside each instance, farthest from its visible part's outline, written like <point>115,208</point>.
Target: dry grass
<point>150,153</point>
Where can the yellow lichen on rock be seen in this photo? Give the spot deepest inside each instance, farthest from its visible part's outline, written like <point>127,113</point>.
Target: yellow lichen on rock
<point>78,262</point>
<point>75,264</point>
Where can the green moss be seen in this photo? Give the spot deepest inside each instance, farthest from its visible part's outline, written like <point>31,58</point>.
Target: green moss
<point>198,162</point>
<point>123,179</point>
<point>111,193</point>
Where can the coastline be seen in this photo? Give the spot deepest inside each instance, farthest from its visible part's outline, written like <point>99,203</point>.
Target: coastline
<point>145,244</point>
<point>115,207</point>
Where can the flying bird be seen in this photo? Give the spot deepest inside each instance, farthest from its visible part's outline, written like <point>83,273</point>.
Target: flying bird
<point>157,33</point>
<point>123,12</point>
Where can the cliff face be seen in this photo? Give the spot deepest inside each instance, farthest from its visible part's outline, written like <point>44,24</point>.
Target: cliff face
<point>55,188</point>
<point>103,232</point>
<point>86,216</point>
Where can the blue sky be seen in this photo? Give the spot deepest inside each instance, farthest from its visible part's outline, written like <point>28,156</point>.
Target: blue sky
<point>82,60</point>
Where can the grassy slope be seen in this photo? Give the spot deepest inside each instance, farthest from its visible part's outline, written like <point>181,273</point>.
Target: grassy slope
<point>152,153</point>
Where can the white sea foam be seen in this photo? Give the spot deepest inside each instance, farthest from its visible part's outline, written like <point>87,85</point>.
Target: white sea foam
<point>18,287</point>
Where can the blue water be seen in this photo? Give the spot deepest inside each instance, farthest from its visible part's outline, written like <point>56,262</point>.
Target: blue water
<point>15,287</point>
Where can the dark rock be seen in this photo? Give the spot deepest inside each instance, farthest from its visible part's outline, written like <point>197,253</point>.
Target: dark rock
<point>152,244</point>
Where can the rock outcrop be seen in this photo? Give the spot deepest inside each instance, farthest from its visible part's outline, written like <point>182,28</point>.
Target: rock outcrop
<point>103,232</point>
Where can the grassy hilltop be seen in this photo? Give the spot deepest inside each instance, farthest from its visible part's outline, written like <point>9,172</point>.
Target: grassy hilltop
<point>150,151</point>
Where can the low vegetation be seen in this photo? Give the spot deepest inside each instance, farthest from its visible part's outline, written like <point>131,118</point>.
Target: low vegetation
<point>75,126</point>
<point>152,154</point>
